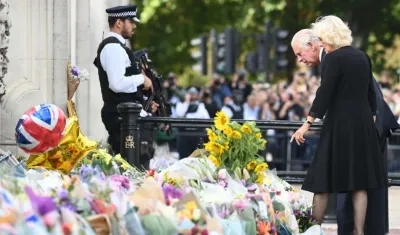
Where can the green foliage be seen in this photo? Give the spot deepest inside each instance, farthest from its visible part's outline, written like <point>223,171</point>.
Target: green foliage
<point>192,78</point>
<point>168,25</point>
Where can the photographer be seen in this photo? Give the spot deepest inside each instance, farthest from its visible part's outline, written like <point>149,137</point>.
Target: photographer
<point>233,107</point>
<point>241,89</point>
<point>220,90</point>
<point>210,104</point>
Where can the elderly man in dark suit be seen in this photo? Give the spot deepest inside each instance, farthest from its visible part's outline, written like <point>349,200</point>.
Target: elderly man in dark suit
<point>308,49</point>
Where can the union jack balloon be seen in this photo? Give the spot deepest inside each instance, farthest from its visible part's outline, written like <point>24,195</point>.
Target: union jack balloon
<point>40,129</point>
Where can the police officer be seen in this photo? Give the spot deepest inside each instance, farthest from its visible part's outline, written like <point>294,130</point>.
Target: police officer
<point>120,77</point>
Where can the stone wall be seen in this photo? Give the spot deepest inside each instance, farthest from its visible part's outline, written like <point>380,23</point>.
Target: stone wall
<point>44,36</point>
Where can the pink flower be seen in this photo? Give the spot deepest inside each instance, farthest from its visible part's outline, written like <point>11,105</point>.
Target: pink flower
<point>121,181</point>
<point>222,183</point>
<point>240,205</point>
<point>50,219</point>
<point>222,174</point>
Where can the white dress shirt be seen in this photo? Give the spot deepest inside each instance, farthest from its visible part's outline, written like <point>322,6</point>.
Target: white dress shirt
<point>320,53</point>
<point>320,60</point>
<point>201,112</point>
<point>228,112</point>
<point>114,61</point>
<point>250,113</point>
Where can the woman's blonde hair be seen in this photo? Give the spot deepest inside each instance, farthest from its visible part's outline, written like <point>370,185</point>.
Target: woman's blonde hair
<point>332,31</point>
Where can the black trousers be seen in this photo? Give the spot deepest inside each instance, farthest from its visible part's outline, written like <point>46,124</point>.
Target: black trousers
<point>375,221</point>
<point>111,120</point>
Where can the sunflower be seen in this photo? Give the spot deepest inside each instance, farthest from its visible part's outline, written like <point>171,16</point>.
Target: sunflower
<point>261,167</point>
<point>215,160</point>
<point>246,129</point>
<point>260,178</point>
<point>236,135</point>
<point>251,165</point>
<point>216,148</point>
<point>212,136</point>
<point>258,135</point>
<point>221,121</point>
<point>228,131</point>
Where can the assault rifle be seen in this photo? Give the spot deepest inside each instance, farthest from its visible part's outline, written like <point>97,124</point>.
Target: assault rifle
<point>157,95</point>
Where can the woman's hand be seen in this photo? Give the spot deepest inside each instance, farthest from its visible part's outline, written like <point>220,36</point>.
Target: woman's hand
<point>299,134</point>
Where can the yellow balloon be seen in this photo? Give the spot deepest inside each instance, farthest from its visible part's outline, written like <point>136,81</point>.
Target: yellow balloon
<point>73,147</point>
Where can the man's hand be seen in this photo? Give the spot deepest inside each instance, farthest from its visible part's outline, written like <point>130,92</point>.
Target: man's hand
<point>374,117</point>
<point>188,98</point>
<point>154,107</point>
<point>148,85</point>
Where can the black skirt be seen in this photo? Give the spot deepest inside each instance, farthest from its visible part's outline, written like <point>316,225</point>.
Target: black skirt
<point>348,157</point>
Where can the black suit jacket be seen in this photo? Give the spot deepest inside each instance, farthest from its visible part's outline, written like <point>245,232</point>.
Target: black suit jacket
<point>386,122</point>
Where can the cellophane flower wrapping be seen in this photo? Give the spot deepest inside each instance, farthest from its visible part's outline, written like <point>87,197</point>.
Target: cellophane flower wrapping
<point>163,158</point>
<point>283,196</point>
<point>191,169</point>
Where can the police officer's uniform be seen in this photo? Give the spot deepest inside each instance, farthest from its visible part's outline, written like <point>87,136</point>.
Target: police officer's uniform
<point>119,75</point>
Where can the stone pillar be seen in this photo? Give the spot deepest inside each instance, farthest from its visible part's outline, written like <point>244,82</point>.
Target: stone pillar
<point>46,35</point>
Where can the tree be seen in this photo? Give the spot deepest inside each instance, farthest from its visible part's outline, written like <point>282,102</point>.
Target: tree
<point>168,26</point>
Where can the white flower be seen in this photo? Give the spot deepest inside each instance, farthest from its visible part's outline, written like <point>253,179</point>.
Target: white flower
<point>196,214</point>
<point>222,174</point>
<point>83,75</point>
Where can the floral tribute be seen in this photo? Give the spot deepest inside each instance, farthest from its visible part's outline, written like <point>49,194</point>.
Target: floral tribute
<point>229,190</point>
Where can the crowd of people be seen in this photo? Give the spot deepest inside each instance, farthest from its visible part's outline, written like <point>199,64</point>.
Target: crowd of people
<point>283,100</point>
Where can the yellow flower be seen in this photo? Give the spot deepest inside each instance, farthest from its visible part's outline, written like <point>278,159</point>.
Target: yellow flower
<point>215,160</point>
<point>226,146</point>
<point>191,205</point>
<point>236,135</point>
<point>251,165</point>
<point>261,167</point>
<point>221,120</point>
<point>216,148</point>
<point>260,178</point>
<point>258,135</point>
<point>211,135</point>
<point>246,129</point>
<point>262,143</point>
<point>228,131</point>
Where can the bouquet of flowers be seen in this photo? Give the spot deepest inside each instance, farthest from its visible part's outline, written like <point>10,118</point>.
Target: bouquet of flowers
<point>75,75</point>
<point>235,147</point>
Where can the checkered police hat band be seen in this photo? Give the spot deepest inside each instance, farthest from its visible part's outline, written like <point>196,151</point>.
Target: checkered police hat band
<point>123,14</point>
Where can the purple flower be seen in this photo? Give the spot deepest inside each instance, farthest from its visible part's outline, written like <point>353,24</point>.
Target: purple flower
<point>86,172</point>
<point>41,204</point>
<point>123,181</point>
<point>63,194</point>
<point>75,71</point>
<point>252,188</point>
<point>170,192</point>
<point>206,180</point>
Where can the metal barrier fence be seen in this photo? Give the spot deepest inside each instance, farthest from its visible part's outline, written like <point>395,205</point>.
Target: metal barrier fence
<point>130,142</point>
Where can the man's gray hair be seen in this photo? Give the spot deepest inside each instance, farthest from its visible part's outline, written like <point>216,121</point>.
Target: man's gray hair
<point>304,36</point>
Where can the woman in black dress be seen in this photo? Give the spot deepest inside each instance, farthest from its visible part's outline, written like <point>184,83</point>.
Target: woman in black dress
<point>348,157</point>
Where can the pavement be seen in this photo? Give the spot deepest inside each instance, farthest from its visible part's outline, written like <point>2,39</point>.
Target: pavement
<point>394,212</point>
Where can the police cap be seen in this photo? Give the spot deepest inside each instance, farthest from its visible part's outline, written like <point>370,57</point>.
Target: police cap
<point>129,11</point>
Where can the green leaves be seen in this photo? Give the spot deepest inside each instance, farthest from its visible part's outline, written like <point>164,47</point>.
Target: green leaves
<point>167,26</point>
